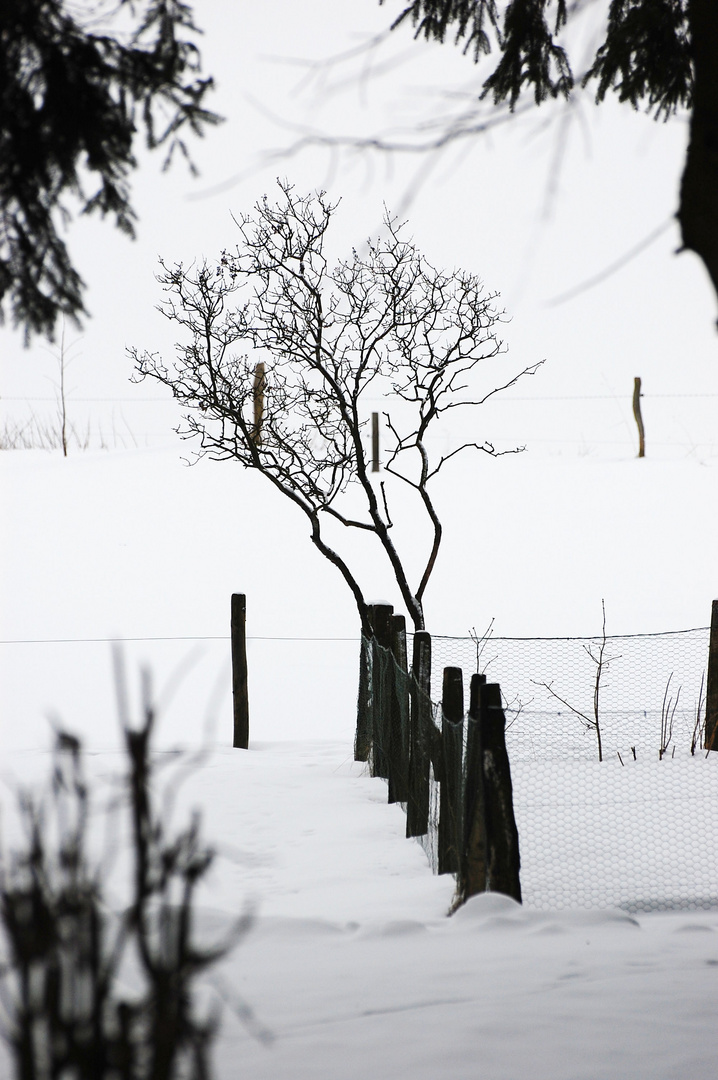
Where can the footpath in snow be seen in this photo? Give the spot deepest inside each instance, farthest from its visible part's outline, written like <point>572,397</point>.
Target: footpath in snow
<point>352,968</point>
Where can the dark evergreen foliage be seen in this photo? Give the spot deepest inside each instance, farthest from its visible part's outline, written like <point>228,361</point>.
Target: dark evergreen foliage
<point>530,55</point>
<point>645,56</point>
<point>657,54</point>
<point>470,18</point>
<point>71,101</point>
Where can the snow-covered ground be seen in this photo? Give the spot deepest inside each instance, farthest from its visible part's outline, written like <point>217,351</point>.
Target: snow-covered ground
<point>352,968</point>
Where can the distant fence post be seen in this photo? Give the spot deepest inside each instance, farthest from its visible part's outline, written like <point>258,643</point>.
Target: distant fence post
<point>711,733</point>
<point>450,767</point>
<point>501,832</point>
<point>638,418</point>
<point>240,694</point>
<point>474,875</point>
<point>420,732</point>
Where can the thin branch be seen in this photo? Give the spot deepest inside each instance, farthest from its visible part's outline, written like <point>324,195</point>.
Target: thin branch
<point>386,505</point>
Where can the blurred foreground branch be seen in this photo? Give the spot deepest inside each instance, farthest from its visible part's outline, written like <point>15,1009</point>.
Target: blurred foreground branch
<point>86,993</point>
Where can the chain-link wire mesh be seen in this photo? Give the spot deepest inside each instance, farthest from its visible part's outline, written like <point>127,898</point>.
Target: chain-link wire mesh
<point>550,683</point>
<point>640,836</point>
<point>635,830</point>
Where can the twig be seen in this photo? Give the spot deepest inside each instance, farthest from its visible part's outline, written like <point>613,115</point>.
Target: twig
<point>667,717</point>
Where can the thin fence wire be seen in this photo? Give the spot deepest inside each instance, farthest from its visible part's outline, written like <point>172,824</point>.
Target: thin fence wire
<point>633,831</point>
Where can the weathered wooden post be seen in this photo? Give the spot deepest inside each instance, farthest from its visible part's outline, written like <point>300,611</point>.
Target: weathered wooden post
<point>452,747</point>
<point>399,714</point>
<point>638,418</point>
<point>711,734</point>
<point>258,401</point>
<point>420,726</point>
<point>474,877</point>
<point>240,693</point>
<point>380,620</point>
<point>365,703</point>
<point>502,838</point>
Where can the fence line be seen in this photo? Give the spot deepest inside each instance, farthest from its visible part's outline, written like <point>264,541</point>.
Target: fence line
<point>554,689</point>
<point>628,831</point>
<point>449,771</point>
<point>356,638</point>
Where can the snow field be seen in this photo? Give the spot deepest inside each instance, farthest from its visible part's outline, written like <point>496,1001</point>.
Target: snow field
<point>352,965</point>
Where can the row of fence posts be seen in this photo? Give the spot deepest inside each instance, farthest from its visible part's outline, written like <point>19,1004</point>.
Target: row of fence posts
<point>396,732</point>
<point>477,836</point>
<point>390,631</point>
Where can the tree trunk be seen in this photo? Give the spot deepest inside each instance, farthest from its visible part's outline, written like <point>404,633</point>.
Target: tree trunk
<point>698,211</point>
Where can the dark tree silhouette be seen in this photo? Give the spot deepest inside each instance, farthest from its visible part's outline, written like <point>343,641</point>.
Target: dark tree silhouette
<point>91,993</point>
<point>71,101</point>
<point>283,359</point>
<point>657,54</point>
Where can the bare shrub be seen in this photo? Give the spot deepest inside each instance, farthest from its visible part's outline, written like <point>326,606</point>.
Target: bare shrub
<point>64,980</point>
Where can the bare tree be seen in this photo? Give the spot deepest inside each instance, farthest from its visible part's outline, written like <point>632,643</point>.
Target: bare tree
<point>601,660</point>
<point>319,342</point>
<point>63,362</point>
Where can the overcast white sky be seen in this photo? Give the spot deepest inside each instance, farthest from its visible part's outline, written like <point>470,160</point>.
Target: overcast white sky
<point>495,205</point>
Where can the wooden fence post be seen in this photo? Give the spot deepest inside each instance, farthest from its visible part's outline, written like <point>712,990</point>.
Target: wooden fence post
<point>380,619</point>
<point>365,703</point>
<point>473,877</point>
<point>375,442</point>
<point>638,418</point>
<point>501,832</point>
<point>420,725</point>
<point>240,694</point>
<point>258,401</point>
<point>711,732</point>
<point>399,714</point>
<point>450,768</point>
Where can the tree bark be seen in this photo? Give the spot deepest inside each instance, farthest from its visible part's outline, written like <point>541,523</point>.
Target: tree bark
<point>698,210</point>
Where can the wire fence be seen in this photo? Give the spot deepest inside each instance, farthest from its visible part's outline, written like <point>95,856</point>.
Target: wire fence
<point>434,759</point>
<point>550,686</point>
<point>634,830</point>
<point>639,837</point>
